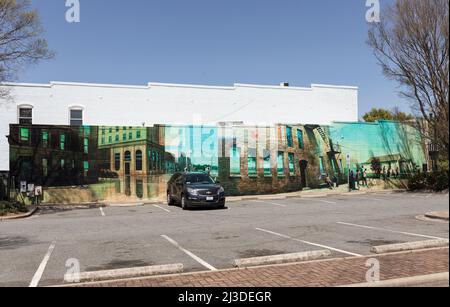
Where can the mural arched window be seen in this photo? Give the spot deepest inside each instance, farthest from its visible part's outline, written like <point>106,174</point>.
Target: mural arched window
<point>138,160</point>
<point>139,188</point>
<point>127,156</point>
<point>117,161</point>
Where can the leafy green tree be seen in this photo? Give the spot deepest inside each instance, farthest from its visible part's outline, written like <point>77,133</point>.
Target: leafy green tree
<point>383,114</point>
<point>402,116</point>
<point>378,114</point>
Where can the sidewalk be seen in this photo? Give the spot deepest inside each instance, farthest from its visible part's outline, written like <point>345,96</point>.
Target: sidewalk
<point>342,190</point>
<point>325,273</point>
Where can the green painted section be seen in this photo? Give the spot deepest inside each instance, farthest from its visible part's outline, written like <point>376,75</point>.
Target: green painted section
<point>248,160</point>
<point>114,135</point>
<point>383,140</point>
<point>194,148</point>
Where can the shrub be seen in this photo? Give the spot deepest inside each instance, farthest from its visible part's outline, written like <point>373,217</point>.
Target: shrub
<point>375,165</point>
<point>417,182</point>
<point>436,181</point>
<point>11,207</point>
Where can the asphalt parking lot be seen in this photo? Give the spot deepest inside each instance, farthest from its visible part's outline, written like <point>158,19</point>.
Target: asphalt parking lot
<point>35,251</point>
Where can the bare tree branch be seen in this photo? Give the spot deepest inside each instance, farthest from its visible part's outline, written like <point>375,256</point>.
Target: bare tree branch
<point>411,45</point>
<point>21,43</point>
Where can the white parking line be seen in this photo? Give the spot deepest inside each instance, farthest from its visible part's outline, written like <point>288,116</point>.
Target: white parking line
<point>325,201</point>
<point>196,258</point>
<point>368,198</point>
<point>389,230</point>
<point>162,208</point>
<point>309,243</point>
<point>40,271</point>
<point>421,195</point>
<point>102,212</point>
<point>270,203</point>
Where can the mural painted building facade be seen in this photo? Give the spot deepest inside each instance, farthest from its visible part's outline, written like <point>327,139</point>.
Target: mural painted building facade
<point>63,103</point>
<point>122,163</point>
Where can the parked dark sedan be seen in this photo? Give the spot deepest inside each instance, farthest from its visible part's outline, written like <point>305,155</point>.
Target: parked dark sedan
<point>195,190</point>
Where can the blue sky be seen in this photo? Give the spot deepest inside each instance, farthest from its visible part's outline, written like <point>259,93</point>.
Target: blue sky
<point>215,42</point>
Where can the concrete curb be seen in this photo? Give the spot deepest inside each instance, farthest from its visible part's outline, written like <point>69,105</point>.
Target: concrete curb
<point>398,190</point>
<point>251,197</point>
<point>192,274</point>
<point>437,216</point>
<point>73,206</point>
<point>131,205</point>
<point>129,273</point>
<point>333,194</point>
<point>281,259</point>
<point>19,216</point>
<point>355,193</point>
<point>423,218</point>
<point>314,196</point>
<point>272,197</point>
<point>293,196</point>
<point>232,199</point>
<point>417,281</point>
<point>382,249</point>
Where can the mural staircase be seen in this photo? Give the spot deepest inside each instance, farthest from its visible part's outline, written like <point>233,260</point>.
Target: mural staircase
<point>328,143</point>
<point>331,149</point>
<point>324,138</point>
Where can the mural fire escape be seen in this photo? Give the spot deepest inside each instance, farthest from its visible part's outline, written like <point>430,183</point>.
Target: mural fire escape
<point>333,150</point>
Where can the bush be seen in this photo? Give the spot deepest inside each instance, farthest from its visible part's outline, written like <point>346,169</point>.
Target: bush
<point>12,208</point>
<point>436,181</point>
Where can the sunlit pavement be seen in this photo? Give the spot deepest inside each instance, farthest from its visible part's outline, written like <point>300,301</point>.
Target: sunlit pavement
<point>325,273</point>
<point>35,251</point>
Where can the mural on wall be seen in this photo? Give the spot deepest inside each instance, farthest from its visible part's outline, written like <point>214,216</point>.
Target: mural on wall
<point>194,148</point>
<point>384,146</point>
<point>118,164</point>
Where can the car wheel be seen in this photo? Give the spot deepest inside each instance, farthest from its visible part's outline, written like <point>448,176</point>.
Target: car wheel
<point>170,200</point>
<point>184,205</point>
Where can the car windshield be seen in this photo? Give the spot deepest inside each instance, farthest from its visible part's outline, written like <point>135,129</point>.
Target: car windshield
<point>199,178</point>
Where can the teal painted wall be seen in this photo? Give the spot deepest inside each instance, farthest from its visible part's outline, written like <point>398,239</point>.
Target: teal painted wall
<point>367,140</point>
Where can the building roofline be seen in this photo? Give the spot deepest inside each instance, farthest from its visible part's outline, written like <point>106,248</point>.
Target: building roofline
<point>157,84</point>
<point>375,123</point>
<point>346,87</point>
<point>17,84</point>
<point>98,85</point>
<point>274,87</point>
<point>197,86</point>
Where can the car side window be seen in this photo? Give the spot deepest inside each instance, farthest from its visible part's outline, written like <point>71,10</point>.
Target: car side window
<point>174,178</point>
<point>180,180</point>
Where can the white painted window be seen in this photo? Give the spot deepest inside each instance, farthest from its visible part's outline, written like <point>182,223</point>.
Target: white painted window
<point>76,117</point>
<point>25,115</point>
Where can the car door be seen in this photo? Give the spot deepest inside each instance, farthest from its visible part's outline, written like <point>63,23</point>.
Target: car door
<point>171,185</point>
<point>179,187</point>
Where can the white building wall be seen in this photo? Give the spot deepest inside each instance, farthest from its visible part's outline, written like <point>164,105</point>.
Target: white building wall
<point>158,103</point>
